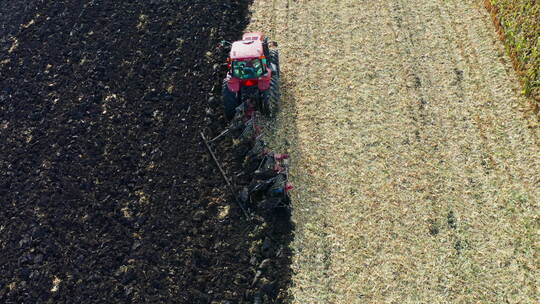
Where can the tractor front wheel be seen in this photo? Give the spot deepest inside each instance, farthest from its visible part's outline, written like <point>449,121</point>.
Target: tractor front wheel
<point>230,101</point>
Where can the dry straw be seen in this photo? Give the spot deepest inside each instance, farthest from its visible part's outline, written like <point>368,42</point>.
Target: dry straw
<point>417,175</point>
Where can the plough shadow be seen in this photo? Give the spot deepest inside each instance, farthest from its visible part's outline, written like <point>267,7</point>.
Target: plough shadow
<point>284,139</point>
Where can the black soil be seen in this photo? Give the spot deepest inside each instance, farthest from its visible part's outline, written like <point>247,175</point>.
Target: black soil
<point>107,194</point>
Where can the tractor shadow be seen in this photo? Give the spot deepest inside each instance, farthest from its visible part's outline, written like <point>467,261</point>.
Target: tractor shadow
<point>283,138</point>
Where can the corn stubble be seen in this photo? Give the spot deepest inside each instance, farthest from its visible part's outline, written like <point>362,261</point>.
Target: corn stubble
<point>417,174</point>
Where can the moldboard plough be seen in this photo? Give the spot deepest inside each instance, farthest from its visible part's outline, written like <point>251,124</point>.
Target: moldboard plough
<point>251,89</point>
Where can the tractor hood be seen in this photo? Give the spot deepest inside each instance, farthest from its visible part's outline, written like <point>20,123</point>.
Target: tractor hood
<point>246,49</point>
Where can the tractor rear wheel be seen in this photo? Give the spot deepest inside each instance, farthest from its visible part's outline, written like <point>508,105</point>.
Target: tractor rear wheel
<point>274,60</point>
<point>230,101</point>
<point>270,105</point>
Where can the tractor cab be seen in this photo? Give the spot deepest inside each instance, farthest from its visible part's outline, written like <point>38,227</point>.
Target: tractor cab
<point>253,73</point>
<point>247,60</point>
<point>248,68</point>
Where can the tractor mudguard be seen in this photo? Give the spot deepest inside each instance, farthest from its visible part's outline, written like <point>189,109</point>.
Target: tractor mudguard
<point>264,81</point>
<point>233,84</point>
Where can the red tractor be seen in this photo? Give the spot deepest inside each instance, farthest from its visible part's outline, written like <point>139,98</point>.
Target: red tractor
<point>253,75</point>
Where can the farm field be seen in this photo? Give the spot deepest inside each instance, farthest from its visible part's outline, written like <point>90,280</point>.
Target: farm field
<point>415,158</point>
<point>107,192</point>
<point>417,171</point>
<point>518,26</point>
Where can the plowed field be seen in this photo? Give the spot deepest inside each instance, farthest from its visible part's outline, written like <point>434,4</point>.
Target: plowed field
<point>107,193</point>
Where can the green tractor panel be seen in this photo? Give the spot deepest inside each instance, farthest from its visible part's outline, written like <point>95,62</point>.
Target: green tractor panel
<point>253,75</point>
